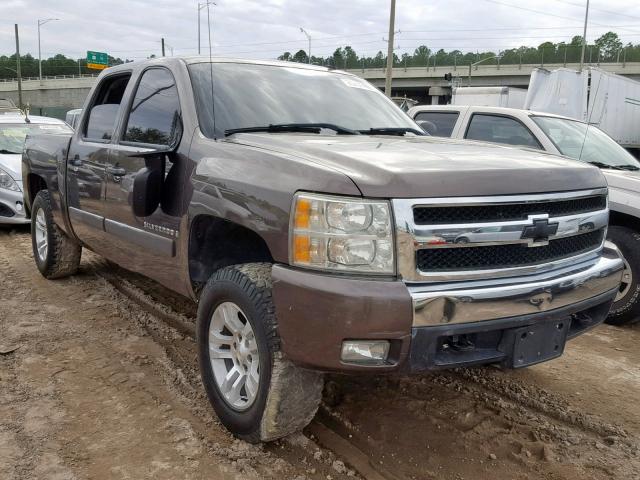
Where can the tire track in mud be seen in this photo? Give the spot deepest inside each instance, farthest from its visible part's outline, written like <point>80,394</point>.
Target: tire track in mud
<point>168,319</point>
<point>296,458</point>
<point>524,401</point>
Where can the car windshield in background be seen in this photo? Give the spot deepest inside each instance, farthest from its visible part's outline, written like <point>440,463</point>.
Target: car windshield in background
<point>12,135</point>
<point>592,145</point>
<point>248,96</point>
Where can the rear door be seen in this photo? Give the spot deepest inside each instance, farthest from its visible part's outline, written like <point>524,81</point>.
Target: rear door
<point>152,122</point>
<point>88,158</point>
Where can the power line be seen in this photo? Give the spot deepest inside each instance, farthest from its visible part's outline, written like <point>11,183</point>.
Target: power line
<point>546,13</point>
<point>611,12</point>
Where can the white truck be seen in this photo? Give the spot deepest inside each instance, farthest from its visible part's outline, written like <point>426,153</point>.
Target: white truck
<point>489,96</point>
<point>558,135</point>
<point>609,101</point>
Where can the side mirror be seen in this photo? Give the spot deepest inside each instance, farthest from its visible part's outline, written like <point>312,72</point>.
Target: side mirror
<point>147,186</point>
<point>102,121</point>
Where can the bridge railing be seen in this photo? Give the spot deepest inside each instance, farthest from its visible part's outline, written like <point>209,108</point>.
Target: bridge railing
<point>48,77</point>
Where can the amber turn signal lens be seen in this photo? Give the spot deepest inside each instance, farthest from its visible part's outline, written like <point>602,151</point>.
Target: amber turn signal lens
<point>303,213</point>
<point>302,249</point>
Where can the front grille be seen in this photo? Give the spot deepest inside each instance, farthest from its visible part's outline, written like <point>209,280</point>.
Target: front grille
<point>505,256</point>
<point>6,211</point>
<point>434,215</point>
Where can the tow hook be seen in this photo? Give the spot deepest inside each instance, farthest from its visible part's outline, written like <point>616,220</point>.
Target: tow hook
<point>461,343</point>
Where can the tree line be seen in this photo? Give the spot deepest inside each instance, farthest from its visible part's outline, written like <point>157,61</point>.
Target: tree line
<point>607,48</point>
<point>56,65</point>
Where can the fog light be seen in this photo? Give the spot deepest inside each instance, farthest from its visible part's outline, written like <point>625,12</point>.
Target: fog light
<point>19,206</point>
<point>373,352</point>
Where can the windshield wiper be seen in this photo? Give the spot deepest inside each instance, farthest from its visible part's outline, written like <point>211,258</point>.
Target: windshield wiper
<point>293,127</point>
<point>392,131</point>
<point>631,168</point>
<point>8,152</point>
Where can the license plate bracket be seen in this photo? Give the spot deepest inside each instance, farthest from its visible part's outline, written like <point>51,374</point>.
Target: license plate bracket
<point>539,342</point>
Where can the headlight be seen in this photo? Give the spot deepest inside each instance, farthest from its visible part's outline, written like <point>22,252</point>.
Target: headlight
<point>7,182</point>
<point>344,234</point>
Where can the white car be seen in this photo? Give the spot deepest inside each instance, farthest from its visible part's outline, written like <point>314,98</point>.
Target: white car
<point>13,130</point>
<point>561,136</point>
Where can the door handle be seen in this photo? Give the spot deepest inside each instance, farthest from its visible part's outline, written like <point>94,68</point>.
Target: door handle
<point>116,171</point>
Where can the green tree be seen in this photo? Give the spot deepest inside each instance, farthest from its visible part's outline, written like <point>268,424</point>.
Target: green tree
<point>301,57</point>
<point>609,45</point>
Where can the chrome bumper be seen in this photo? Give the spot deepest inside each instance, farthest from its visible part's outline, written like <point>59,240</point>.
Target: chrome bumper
<point>443,304</point>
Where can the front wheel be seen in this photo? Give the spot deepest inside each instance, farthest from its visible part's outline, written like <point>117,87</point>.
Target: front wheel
<point>626,306</point>
<point>56,254</point>
<point>256,393</point>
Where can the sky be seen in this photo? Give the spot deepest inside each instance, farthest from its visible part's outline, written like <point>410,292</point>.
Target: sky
<point>264,29</point>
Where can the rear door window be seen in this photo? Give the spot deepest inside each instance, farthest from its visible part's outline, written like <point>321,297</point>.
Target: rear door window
<point>438,124</point>
<point>103,112</point>
<point>500,129</point>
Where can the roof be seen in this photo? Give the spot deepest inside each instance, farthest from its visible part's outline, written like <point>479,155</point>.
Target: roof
<point>193,59</point>
<point>19,118</point>
<point>503,110</point>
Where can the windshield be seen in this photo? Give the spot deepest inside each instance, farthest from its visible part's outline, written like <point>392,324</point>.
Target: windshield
<point>261,95</point>
<point>597,147</point>
<point>12,136</point>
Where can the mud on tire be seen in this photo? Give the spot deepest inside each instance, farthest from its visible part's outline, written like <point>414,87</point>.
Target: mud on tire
<point>626,308</point>
<point>287,396</point>
<point>62,255</point>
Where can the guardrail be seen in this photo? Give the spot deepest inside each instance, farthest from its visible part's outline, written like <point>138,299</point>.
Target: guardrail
<point>48,77</point>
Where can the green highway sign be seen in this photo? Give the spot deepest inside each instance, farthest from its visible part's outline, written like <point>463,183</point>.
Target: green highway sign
<point>97,60</point>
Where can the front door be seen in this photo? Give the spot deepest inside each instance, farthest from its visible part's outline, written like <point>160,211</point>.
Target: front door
<point>152,123</point>
<point>88,159</point>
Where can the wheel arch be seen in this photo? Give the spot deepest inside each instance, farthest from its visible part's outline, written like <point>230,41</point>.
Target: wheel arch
<point>34,184</point>
<point>215,243</point>
<point>624,220</point>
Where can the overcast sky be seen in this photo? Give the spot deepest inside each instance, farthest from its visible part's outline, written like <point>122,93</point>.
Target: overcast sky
<point>266,28</point>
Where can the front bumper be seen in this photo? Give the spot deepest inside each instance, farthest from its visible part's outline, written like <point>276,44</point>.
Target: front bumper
<point>317,312</point>
<point>12,209</point>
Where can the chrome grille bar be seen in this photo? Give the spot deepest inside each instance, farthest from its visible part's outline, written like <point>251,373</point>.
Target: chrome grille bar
<point>412,238</point>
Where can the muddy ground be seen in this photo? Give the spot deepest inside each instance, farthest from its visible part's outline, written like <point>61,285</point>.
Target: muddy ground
<point>98,380</point>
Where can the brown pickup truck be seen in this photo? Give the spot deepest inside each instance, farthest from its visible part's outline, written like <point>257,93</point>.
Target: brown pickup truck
<point>319,229</point>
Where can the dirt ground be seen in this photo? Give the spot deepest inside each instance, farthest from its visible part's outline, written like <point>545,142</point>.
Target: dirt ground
<point>99,380</point>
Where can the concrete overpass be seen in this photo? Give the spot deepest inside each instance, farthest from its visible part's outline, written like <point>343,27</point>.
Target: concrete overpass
<point>55,95</point>
<point>421,83</point>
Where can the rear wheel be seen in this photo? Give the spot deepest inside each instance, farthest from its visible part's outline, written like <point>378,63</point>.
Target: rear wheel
<point>626,306</point>
<point>56,254</point>
<point>257,394</point>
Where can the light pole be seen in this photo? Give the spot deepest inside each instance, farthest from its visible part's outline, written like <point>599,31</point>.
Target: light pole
<point>18,74</point>
<point>389,73</point>
<point>584,35</point>
<point>40,23</point>
<point>200,7</point>
<point>308,38</point>
<point>478,63</point>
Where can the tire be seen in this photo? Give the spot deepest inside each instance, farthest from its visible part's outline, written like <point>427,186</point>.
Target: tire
<point>626,307</point>
<point>56,254</point>
<point>286,397</point>
<point>462,240</point>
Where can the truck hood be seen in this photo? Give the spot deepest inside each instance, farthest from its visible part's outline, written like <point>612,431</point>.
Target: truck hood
<point>410,167</point>
<point>12,164</point>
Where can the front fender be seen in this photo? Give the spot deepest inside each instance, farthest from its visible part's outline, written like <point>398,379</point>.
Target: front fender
<point>254,188</point>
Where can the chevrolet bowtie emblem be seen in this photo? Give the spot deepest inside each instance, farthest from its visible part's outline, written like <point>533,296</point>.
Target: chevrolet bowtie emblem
<point>538,234</point>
